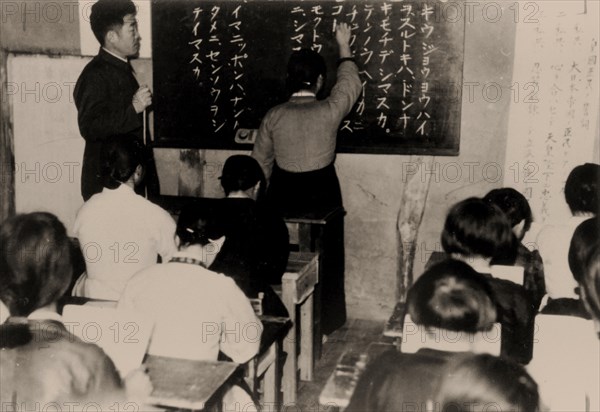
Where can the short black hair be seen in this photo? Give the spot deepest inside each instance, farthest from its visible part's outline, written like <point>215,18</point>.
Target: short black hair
<point>120,156</point>
<point>513,204</point>
<point>241,172</point>
<point>583,243</point>
<point>581,188</point>
<point>303,70</point>
<point>198,225</point>
<point>474,227</point>
<point>35,262</point>
<point>108,15</point>
<point>451,295</point>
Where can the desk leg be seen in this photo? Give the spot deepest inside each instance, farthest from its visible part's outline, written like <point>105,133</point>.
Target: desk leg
<point>271,382</point>
<point>306,340</point>
<point>289,346</point>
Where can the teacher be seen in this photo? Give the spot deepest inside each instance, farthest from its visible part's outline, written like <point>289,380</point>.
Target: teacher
<point>296,140</point>
<point>295,146</point>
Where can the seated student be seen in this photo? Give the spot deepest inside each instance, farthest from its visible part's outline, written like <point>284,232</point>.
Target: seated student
<point>196,312</point>
<point>256,247</point>
<point>566,364</point>
<point>40,361</point>
<point>518,212</point>
<point>450,297</point>
<point>119,231</point>
<point>477,383</point>
<point>582,192</point>
<point>584,240</point>
<point>476,232</point>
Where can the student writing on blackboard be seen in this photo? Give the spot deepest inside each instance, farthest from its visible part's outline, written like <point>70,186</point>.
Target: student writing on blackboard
<point>108,97</point>
<point>296,140</point>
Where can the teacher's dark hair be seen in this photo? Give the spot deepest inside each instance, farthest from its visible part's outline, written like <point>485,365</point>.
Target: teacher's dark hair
<point>303,70</point>
<point>108,15</point>
<point>120,156</point>
<point>35,262</point>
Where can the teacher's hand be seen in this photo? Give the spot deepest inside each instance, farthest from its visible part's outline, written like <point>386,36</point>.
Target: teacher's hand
<point>142,99</point>
<point>343,33</point>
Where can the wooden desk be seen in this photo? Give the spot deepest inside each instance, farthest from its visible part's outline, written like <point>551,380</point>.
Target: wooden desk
<point>297,288</point>
<point>341,384</point>
<point>266,364</point>
<point>322,232</point>
<point>187,384</point>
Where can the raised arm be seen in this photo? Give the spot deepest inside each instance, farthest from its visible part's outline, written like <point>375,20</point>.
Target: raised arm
<point>348,85</point>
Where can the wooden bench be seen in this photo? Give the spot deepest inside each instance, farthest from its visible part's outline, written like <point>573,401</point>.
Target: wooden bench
<point>298,285</point>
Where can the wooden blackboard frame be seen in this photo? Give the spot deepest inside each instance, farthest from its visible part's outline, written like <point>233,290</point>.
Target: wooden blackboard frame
<point>446,143</point>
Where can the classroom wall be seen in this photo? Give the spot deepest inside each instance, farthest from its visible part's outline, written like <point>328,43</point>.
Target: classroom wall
<point>372,185</point>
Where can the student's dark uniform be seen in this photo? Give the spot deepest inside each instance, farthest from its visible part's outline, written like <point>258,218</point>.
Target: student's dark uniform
<point>255,251</point>
<point>103,96</point>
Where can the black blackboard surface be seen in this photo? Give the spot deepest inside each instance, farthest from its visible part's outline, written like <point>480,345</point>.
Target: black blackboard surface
<point>220,65</point>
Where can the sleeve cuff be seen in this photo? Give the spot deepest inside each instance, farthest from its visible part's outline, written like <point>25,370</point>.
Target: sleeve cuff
<point>345,59</point>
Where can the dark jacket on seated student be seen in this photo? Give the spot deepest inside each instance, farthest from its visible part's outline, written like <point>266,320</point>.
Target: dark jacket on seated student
<point>449,297</point>
<point>476,232</point>
<point>517,210</point>
<point>256,247</point>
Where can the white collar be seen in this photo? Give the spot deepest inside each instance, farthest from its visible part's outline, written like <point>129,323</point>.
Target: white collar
<point>304,93</point>
<point>112,54</point>
<point>45,314</point>
<point>238,195</point>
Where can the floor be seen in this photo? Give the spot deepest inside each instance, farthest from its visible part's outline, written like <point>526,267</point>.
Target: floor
<point>356,335</point>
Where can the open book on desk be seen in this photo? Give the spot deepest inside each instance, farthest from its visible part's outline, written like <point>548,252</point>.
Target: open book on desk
<point>123,335</point>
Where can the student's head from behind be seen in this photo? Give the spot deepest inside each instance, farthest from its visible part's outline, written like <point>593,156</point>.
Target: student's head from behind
<point>582,189</point>
<point>35,262</point>
<point>473,383</point>
<point>306,71</point>
<point>451,295</point>
<point>476,228</point>
<point>122,161</point>
<point>199,229</point>
<point>243,174</point>
<point>515,206</point>
<point>115,26</point>
<point>590,284</point>
<point>583,243</point>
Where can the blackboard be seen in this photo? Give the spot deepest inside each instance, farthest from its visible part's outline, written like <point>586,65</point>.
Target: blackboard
<point>220,65</point>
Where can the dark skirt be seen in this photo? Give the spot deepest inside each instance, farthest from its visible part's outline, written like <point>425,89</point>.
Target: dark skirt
<point>305,192</point>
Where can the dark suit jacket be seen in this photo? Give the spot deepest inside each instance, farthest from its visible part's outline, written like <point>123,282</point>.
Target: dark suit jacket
<point>103,95</point>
